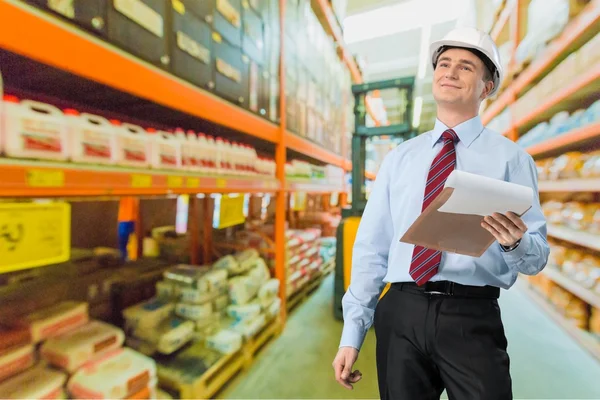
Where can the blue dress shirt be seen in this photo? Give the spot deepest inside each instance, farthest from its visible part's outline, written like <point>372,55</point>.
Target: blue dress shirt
<point>396,201</point>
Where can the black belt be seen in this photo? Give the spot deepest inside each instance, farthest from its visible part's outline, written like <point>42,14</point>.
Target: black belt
<point>447,288</point>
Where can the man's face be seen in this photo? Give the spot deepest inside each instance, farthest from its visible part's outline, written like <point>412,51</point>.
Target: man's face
<point>458,79</point>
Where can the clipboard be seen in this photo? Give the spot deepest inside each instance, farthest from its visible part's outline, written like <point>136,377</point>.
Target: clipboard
<point>456,232</point>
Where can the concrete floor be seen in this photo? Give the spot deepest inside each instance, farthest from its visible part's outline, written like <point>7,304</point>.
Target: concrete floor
<point>546,363</point>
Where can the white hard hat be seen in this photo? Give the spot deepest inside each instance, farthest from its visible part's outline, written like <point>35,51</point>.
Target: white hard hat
<point>472,38</point>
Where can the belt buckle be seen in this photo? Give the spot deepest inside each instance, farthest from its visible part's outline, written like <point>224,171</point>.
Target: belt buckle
<point>448,292</point>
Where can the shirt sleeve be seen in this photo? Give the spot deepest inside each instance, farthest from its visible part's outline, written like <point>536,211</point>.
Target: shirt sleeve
<point>369,261</point>
<point>531,255</point>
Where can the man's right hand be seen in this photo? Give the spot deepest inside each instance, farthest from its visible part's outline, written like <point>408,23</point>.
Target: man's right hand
<point>342,365</point>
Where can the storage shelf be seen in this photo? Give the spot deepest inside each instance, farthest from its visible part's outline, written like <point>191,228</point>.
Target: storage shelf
<point>52,42</point>
<point>565,99</point>
<point>577,32</point>
<point>575,288</point>
<point>308,186</point>
<point>570,185</point>
<point>305,146</point>
<point>580,238</point>
<point>584,338</point>
<point>48,179</point>
<point>567,141</point>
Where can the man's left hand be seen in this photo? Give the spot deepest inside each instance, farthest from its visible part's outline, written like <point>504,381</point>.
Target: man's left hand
<point>506,228</point>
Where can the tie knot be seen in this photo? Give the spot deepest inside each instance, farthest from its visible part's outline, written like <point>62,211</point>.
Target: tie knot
<point>450,135</point>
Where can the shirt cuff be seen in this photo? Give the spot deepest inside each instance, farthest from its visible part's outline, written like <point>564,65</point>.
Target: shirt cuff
<point>352,336</point>
<point>513,256</point>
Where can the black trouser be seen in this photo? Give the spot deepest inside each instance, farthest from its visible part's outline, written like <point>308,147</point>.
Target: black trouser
<point>428,342</point>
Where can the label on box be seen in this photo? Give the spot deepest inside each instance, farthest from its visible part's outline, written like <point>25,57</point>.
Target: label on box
<point>229,12</point>
<point>229,71</point>
<point>134,149</point>
<point>142,14</point>
<point>193,48</point>
<point>95,144</point>
<point>168,155</point>
<point>63,7</point>
<point>41,135</point>
<point>46,228</point>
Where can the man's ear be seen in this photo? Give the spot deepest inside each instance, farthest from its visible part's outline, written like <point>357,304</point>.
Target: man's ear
<point>489,86</point>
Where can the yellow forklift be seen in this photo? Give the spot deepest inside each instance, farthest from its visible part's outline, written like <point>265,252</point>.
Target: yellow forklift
<point>346,232</point>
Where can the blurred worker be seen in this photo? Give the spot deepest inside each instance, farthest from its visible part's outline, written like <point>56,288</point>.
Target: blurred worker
<point>439,326</point>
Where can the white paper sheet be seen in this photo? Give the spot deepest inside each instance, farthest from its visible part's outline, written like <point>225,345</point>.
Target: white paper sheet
<point>480,195</point>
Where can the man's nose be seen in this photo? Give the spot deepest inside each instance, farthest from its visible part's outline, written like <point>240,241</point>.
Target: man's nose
<point>451,73</point>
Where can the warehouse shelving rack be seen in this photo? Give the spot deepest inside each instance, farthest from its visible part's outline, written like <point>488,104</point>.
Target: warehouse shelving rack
<point>511,25</point>
<point>34,35</point>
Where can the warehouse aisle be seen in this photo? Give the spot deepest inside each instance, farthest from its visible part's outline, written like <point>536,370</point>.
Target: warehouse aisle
<point>546,363</point>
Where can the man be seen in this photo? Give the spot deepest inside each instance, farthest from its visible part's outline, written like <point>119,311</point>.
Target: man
<point>439,326</point>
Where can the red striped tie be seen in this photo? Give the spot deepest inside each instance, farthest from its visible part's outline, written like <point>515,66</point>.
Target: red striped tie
<point>425,262</point>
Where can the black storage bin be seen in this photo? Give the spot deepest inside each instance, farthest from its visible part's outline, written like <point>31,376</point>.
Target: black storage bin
<point>227,20</point>
<point>89,14</point>
<point>253,40</point>
<point>231,72</point>
<point>203,9</point>
<point>140,27</point>
<point>191,48</point>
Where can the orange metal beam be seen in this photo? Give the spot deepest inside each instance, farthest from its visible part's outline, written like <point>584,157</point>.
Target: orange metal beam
<point>305,146</point>
<point>581,135</point>
<point>54,43</point>
<point>502,21</point>
<point>587,20</point>
<point>581,25</point>
<point>575,86</point>
<point>34,179</point>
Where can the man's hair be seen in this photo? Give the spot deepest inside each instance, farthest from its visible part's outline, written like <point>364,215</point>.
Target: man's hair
<point>488,71</point>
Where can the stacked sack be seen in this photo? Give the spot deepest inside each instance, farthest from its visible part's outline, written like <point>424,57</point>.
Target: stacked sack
<point>186,305</point>
<point>577,215</point>
<point>81,358</point>
<point>303,257</point>
<point>571,165</point>
<point>327,249</point>
<point>254,300</point>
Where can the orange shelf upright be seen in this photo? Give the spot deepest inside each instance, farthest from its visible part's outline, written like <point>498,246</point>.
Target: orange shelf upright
<point>578,136</point>
<point>52,42</point>
<point>582,25</point>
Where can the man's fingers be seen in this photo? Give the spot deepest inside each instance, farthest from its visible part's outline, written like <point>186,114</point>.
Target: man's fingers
<point>347,370</point>
<point>515,219</point>
<point>355,376</point>
<point>339,367</point>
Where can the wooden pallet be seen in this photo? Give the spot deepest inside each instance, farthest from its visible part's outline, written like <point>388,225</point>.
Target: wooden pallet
<point>223,371</point>
<point>209,383</point>
<point>256,343</point>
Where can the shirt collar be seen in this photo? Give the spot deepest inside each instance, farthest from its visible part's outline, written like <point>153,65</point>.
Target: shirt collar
<point>467,131</point>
